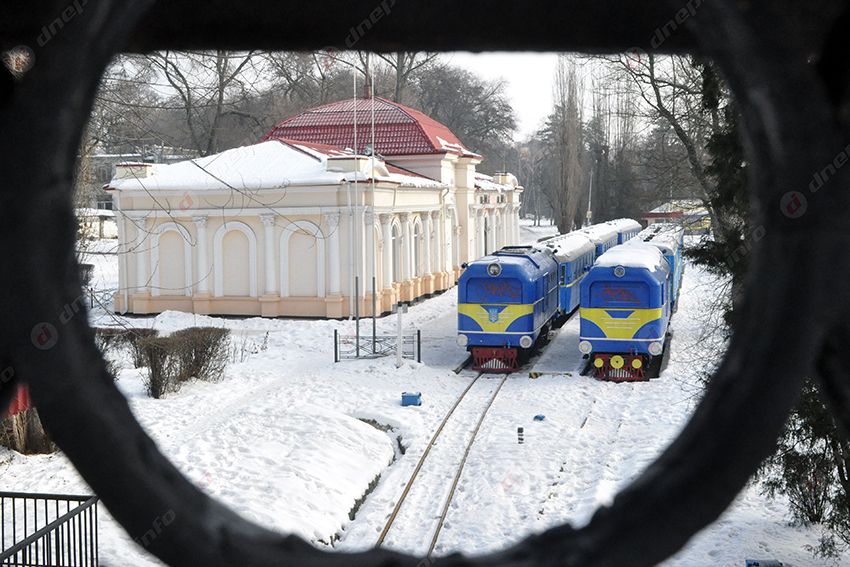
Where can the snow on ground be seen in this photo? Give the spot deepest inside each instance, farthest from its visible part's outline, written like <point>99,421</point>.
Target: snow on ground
<point>283,438</point>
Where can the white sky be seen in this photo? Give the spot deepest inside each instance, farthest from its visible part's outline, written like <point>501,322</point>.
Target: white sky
<point>529,77</point>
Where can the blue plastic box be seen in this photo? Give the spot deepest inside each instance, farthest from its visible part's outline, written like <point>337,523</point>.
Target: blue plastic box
<point>411,398</point>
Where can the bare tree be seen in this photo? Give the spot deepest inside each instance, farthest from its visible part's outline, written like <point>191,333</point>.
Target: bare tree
<point>208,87</point>
<point>405,64</point>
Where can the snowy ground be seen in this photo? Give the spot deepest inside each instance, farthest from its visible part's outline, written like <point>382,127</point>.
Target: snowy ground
<point>283,438</point>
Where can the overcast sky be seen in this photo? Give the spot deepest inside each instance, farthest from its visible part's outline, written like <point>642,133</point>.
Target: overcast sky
<point>529,77</point>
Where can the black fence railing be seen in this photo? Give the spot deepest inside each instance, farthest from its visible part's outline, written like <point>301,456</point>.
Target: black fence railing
<point>48,530</point>
<point>348,347</point>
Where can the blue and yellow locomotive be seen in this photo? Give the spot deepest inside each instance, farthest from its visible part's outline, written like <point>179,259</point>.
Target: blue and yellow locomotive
<point>626,305</point>
<point>506,302</point>
<point>627,301</point>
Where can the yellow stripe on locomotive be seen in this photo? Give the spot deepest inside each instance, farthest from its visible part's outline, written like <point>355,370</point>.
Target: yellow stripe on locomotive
<point>620,324</point>
<point>494,318</point>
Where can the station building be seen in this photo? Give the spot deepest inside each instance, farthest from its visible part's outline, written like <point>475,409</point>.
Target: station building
<point>301,224</point>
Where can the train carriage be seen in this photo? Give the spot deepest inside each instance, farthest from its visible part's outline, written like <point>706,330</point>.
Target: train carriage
<point>669,239</point>
<point>626,305</point>
<point>603,236</point>
<point>506,302</point>
<point>575,254</point>
<point>626,229</point>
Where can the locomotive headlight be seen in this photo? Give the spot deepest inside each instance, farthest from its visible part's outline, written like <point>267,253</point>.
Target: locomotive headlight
<point>462,340</point>
<point>494,270</point>
<point>585,347</point>
<point>620,271</point>
<point>526,342</point>
<point>655,349</point>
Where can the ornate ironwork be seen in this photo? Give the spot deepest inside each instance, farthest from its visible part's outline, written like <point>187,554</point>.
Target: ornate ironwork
<point>787,64</point>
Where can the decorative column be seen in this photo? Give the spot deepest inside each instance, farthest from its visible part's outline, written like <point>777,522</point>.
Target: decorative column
<point>406,291</point>
<point>271,264</point>
<point>428,227</point>
<point>515,217</point>
<point>491,233</point>
<point>141,248</point>
<point>506,223</point>
<point>332,221</point>
<point>480,245</point>
<point>369,221</point>
<point>439,236</point>
<point>387,236</point>
<point>204,274</point>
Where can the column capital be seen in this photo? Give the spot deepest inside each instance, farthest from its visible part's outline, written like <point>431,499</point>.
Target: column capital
<point>405,217</point>
<point>369,217</point>
<point>386,218</point>
<point>332,219</point>
<point>436,215</point>
<point>268,219</point>
<point>200,221</point>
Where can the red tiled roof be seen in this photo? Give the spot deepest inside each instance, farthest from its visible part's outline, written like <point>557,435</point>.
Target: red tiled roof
<point>332,151</point>
<point>399,130</point>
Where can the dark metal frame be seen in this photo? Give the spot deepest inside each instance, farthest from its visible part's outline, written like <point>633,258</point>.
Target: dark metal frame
<point>786,61</point>
<point>65,534</point>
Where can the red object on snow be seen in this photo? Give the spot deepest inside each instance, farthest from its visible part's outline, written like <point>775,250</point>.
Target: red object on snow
<point>399,130</point>
<point>20,403</point>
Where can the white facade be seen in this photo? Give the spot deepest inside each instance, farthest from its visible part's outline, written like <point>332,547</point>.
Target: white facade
<point>293,229</point>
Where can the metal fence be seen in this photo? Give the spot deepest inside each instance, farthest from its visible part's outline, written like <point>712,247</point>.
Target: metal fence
<point>48,530</point>
<point>349,347</point>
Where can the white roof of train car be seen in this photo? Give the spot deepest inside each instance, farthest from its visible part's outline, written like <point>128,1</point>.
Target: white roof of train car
<point>599,233</point>
<point>568,247</point>
<point>639,255</point>
<point>665,236</point>
<point>625,224</point>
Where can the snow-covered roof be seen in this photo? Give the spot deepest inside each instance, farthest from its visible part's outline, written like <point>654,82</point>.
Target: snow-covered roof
<point>488,183</point>
<point>688,206</point>
<point>87,212</point>
<point>622,225</point>
<point>599,233</point>
<point>268,165</point>
<point>638,255</point>
<point>568,247</point>
<point>665,236</point>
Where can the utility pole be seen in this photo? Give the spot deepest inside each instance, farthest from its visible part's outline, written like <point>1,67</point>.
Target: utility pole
<point>589,219</point>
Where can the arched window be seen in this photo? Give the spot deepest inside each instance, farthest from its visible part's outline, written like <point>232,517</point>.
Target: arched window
<point>235,260</point>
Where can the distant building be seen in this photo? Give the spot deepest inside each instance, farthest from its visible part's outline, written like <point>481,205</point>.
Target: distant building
<point>103,168</point>
<point>296,224</point>
<point>97,223</point>
<point>690,213</point>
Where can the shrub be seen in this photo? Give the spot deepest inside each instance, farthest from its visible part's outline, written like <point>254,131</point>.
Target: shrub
<point>202,352</point>
<point>163,368</point>
<point>133,339</point>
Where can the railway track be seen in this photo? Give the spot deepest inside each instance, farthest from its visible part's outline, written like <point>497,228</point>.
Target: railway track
<point>418,502</point>
<point>419,507</point>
